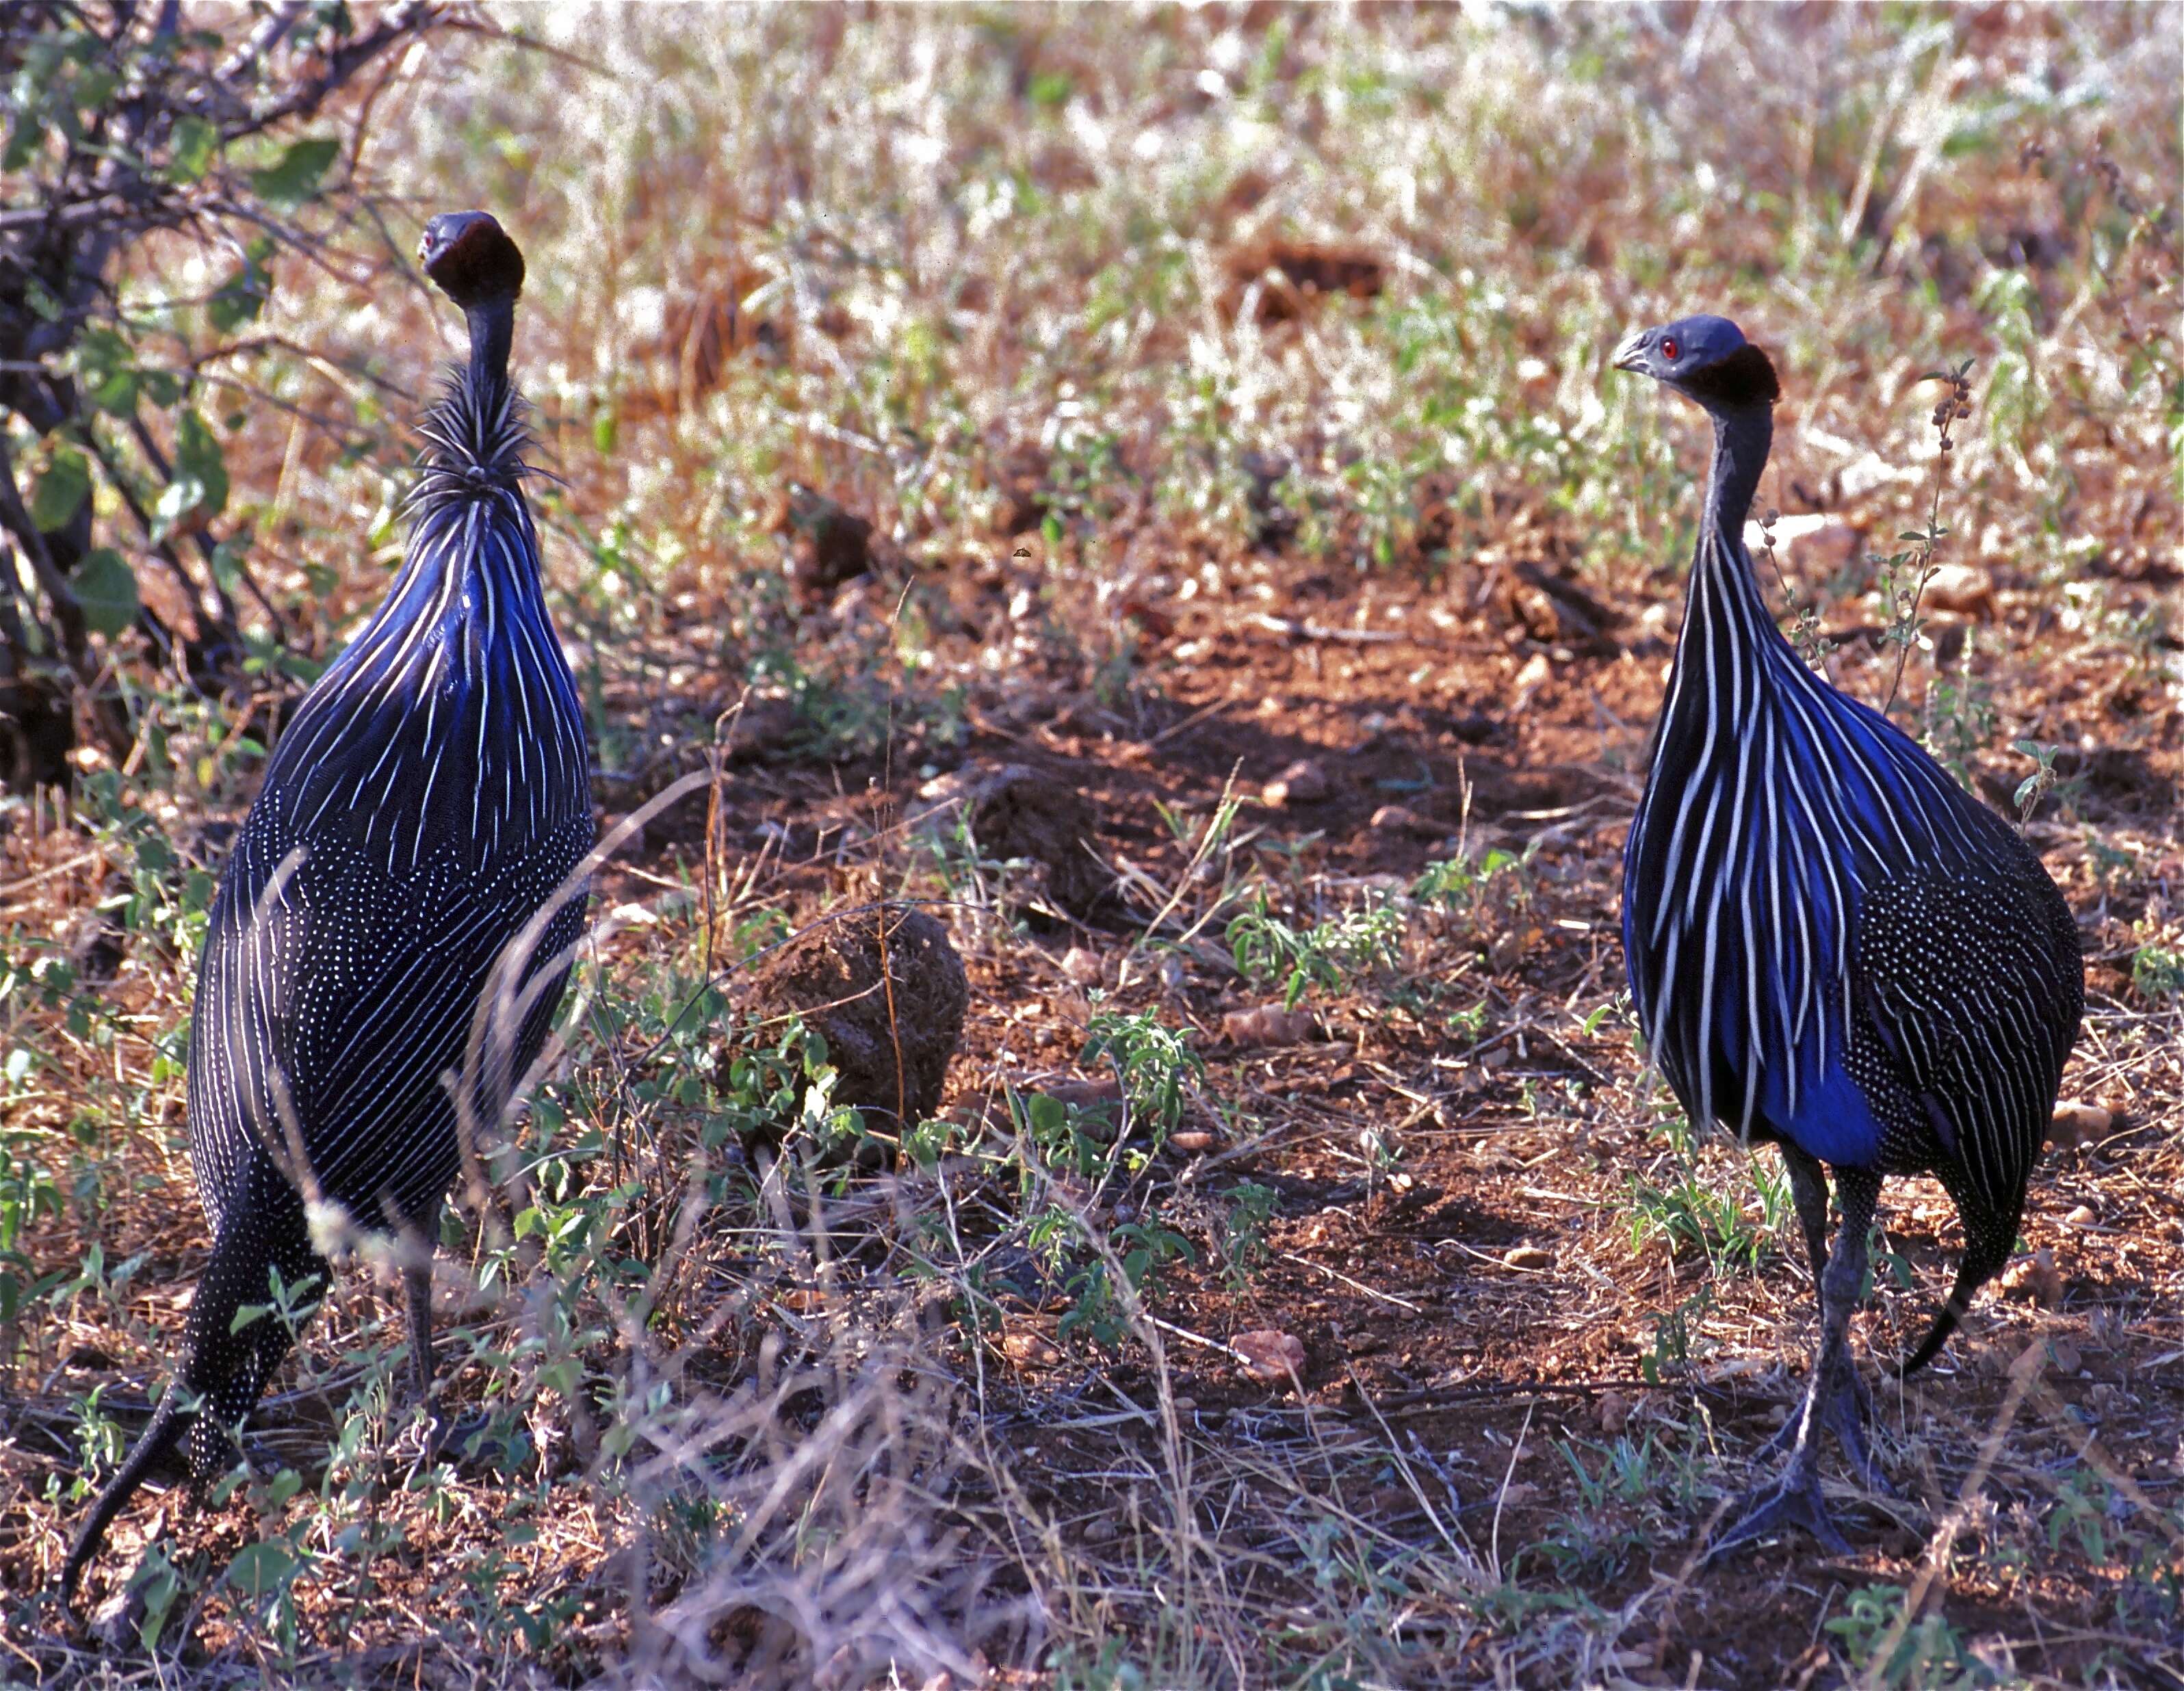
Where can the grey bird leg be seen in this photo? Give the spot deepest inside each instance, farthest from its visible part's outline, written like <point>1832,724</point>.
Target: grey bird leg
<point>1808,1190</point>
<point>441,1431</point>
<point>1794,1499</point>
<point>1850,1411</point>
<point>417,1282</point>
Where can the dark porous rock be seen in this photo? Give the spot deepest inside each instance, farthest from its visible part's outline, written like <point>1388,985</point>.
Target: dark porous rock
<point>1015,812</point>
<point>828,545</point>
<point>888,1039</point>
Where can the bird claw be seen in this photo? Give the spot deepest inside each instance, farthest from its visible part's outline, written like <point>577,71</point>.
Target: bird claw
<point>1793,1501</point>
<point>1846,1411</point>
<point>440,1439</point>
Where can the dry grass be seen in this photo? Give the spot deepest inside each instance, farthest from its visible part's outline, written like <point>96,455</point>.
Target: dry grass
<point>1224,389</point>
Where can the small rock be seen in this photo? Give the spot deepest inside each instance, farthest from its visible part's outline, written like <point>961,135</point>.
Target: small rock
<point>2085,1215</point>
<point>1267,1025</point>
<point>1518,1495</point>
<point>1814,539</point>
<point>2075,1123</point>
<point>889,1037</point>
<point>1081,966</point>
<point>1030,1349</point>
<point>1400,819</point>
<point>1193,1141</point>
<point>1530,1256</point>
<point>2034,1280</point>
<point>1303,782</point>
<point>1013,811</point>
<point>828,545</point>
<point>1962,588</point>
<point>1614,1413</point>
<point>1269,1354</point>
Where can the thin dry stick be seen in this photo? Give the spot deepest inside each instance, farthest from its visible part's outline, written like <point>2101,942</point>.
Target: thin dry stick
<point>2023,1373</point>
<point>1956,405</point>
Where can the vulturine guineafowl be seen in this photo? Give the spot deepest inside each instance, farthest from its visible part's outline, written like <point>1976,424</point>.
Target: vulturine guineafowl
<point>1831,945</point>
<point>392,930</point>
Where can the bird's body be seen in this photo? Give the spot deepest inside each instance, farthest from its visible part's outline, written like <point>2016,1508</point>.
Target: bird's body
<point>408,861</point>
<point>1832,946</point>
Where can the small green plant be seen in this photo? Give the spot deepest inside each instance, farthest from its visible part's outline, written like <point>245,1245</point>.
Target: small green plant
<point>156,1583</point>
<point>2157,972</point>
<point>1244,1246</point>
<point>1926,1654</point>
<point>1672,1335</point>
<point>1462,885</point>
<point>1330,953</point>
<point>1903,576</point>
<point>1693,1217</point>
<point>27,1191</point>
<point>1959,714</point>
<point>2037,785</point>
<point>1142,1247</point>
<point>1618,1504</point>
<point>1155,1062</point>
<point>1077,1138</point>
<point>2080,1510</point>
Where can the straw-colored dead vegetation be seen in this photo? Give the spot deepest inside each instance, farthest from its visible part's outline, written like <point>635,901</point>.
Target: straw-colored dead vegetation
<point>1144,487</point>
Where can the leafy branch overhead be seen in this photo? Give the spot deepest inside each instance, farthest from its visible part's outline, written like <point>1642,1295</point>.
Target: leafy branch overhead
<point>124,125</point>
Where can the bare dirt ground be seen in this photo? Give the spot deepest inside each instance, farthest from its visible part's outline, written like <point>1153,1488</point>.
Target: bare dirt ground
<point>1301,1282</point>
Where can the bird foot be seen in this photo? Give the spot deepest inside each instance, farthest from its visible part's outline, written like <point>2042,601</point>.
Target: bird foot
<point>442,1438</point>
<point>1845,1410</point>
<point>1792,1500</point>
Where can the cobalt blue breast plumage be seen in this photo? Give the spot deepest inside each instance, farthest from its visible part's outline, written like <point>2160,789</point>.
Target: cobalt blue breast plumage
<point>410,858</point>
<point>1831,945</point>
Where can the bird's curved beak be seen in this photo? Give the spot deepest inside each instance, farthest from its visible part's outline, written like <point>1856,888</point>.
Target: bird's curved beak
<point>1630,354</point>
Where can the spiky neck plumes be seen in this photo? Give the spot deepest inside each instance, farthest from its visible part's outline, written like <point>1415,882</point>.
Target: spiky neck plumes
<point>475,430</point>
<point>450,723</point>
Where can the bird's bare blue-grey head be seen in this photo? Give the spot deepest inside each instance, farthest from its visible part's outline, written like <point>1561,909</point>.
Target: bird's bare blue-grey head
<point>1705,358</point>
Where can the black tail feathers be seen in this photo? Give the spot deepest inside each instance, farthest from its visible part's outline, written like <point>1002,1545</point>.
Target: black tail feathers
<point>169,1423</point>
<point>1979,1266</point>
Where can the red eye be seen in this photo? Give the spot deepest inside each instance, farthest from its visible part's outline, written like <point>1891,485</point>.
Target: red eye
<point>1668,349</point>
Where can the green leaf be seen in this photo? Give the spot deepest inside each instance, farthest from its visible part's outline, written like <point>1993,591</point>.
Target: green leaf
<point>294,177</point>
<point>260,1570</point>
<point>200,469</point>
<point>227,560</point>
<point>106,587</point>
<point>196,140</point>
<point>61,491</point>
<point>241,297</point>
<point>92,89</point>
<point>24,139</point>
<point>108,365</point>
<point>246,1313</point>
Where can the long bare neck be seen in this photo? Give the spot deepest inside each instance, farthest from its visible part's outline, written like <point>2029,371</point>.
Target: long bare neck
<point>492,328</point>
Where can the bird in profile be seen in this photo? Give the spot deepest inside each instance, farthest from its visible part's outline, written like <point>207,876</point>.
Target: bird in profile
<point>393,928</point>
<point>1831,945</point>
